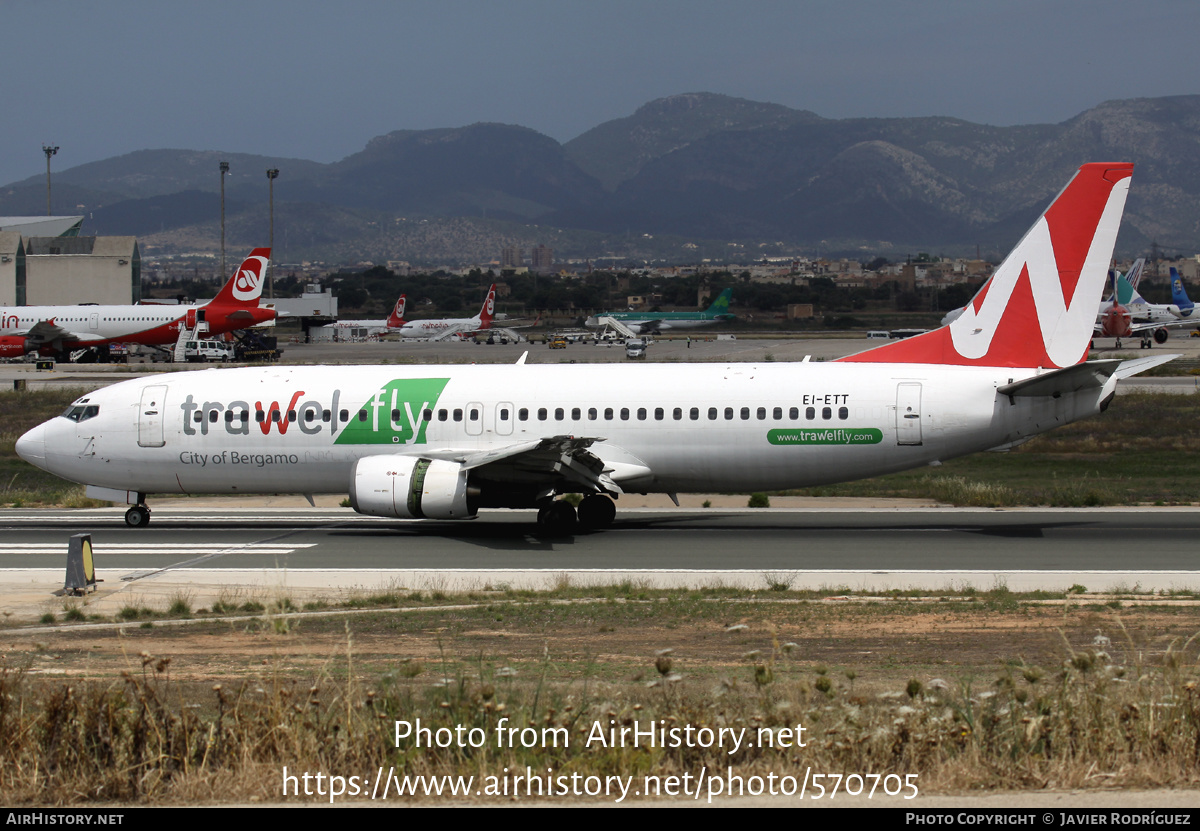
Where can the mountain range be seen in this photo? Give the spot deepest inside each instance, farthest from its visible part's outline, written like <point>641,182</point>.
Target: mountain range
<point>684,177</point>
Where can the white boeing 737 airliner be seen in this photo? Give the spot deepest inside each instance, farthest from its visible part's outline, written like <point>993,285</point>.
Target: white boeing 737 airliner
<point>441,442</point>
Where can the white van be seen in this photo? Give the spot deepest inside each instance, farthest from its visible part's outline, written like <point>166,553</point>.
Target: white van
<point>199,351</point>
<point>635,348</point>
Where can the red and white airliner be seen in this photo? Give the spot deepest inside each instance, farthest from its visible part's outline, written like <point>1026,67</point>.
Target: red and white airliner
<point>441,442</point>
<point>374,328</point>
<point>452,326</point>
<point>58,330</point>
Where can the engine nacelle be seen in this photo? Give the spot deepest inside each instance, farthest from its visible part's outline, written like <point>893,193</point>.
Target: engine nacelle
<point>13,346</point>
<point>1160,335</point>
<point>406,487</point>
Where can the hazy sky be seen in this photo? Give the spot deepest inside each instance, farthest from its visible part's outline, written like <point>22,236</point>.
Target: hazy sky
<point>317,80</point>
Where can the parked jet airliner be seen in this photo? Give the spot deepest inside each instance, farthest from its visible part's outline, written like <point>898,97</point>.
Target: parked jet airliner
<point>448,327</point>
<point>655,322</point>
<point>441,442</point>
<point>56,330</point>
<point>394,322</point>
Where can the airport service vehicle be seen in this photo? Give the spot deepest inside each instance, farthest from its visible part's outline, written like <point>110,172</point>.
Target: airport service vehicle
<point>635,348</point>
<point>558,342</point>
<point>61,330</point>
<point>441,442</point>
<point>201,351</point>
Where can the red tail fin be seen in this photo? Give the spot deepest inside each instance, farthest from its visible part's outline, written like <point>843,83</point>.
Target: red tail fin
<point>245,286</point>
<point>1039,308</point>
<point>396,318</point>
<point>489,309</point>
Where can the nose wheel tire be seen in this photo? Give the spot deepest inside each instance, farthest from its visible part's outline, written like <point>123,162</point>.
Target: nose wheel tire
<point>137,517</point>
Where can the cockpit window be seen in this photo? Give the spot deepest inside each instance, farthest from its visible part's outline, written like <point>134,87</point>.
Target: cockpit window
<point>78,412</point>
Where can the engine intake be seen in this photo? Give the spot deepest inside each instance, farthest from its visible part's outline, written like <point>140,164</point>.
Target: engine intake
<point>405,487</point>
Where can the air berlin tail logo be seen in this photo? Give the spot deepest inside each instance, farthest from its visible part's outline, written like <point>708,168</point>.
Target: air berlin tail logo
<point>399,313</point>
<point>247,283</point>
<point>491,303</point>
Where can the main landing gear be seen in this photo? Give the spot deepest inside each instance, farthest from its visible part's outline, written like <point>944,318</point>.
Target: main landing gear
<point>137,517</point>
<point>560,517</point>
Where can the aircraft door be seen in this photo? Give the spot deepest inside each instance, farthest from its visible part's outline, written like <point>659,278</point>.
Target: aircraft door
<point>504,418</point>
<point>94,321</point>
<point>150,416</point>
<point>474,419</point>
<point>190,322</point>
<point>908,413</point>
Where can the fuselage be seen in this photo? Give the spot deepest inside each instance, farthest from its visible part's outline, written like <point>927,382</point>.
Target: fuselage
<point>152,325</point>
<point>662,428</point>
<point>433,328</point>
<point>668,320</point>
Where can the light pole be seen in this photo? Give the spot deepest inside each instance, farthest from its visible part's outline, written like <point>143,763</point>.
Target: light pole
<point>272,175</point>
<point>224,170</point>
<point>49,151</point>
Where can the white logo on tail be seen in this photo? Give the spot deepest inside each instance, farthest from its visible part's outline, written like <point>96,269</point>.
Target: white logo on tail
<point>399,312</point>
<point>248,282</point>
<point>1065,327</point>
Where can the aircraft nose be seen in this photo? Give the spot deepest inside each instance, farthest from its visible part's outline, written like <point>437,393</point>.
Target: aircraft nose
<point>32,446</point>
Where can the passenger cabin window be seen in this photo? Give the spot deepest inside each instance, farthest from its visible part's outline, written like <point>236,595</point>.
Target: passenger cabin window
<point>843,413</point>
<point>826,413</point>
<point>575,414</point>
<point>641,413</point>
<point>694,414</point>
<point>712,413</point>
<point>523,414</point>
<point>593,413</point>
<point>458,415</point>
<point>745,413</point>
<point>541,414</point>
<point>794,413</point>
<point>624,414</point>
<point>678,413</point>
<point>559,414</point>
<point>658,413</point>
<point>777,414</point>
<point>472,414</point>
<point>443,414</point>
<point>608,413</point>
<point>810,413</point>
<point>729,413</point>
<point>504,414</point>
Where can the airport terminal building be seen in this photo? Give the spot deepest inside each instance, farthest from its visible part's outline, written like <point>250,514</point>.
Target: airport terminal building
<point>44,269</point>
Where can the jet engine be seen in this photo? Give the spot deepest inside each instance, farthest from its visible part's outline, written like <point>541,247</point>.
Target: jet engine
<point>13,346</point>
<point>407,487</point>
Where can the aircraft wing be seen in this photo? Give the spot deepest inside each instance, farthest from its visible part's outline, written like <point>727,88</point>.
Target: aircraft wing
<point>47,331</point>
<point>553,461</point>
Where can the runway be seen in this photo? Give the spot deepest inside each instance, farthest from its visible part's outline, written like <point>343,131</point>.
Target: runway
<point>333,550</point>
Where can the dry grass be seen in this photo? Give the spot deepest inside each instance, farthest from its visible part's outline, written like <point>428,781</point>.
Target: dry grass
<point>1101,717</point>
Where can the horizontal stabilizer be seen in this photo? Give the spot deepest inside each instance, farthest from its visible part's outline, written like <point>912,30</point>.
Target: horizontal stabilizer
<point>1089,375</point>
<point>1128,369</point>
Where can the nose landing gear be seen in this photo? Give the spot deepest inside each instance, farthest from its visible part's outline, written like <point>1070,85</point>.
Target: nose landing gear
<point>137,517</point>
